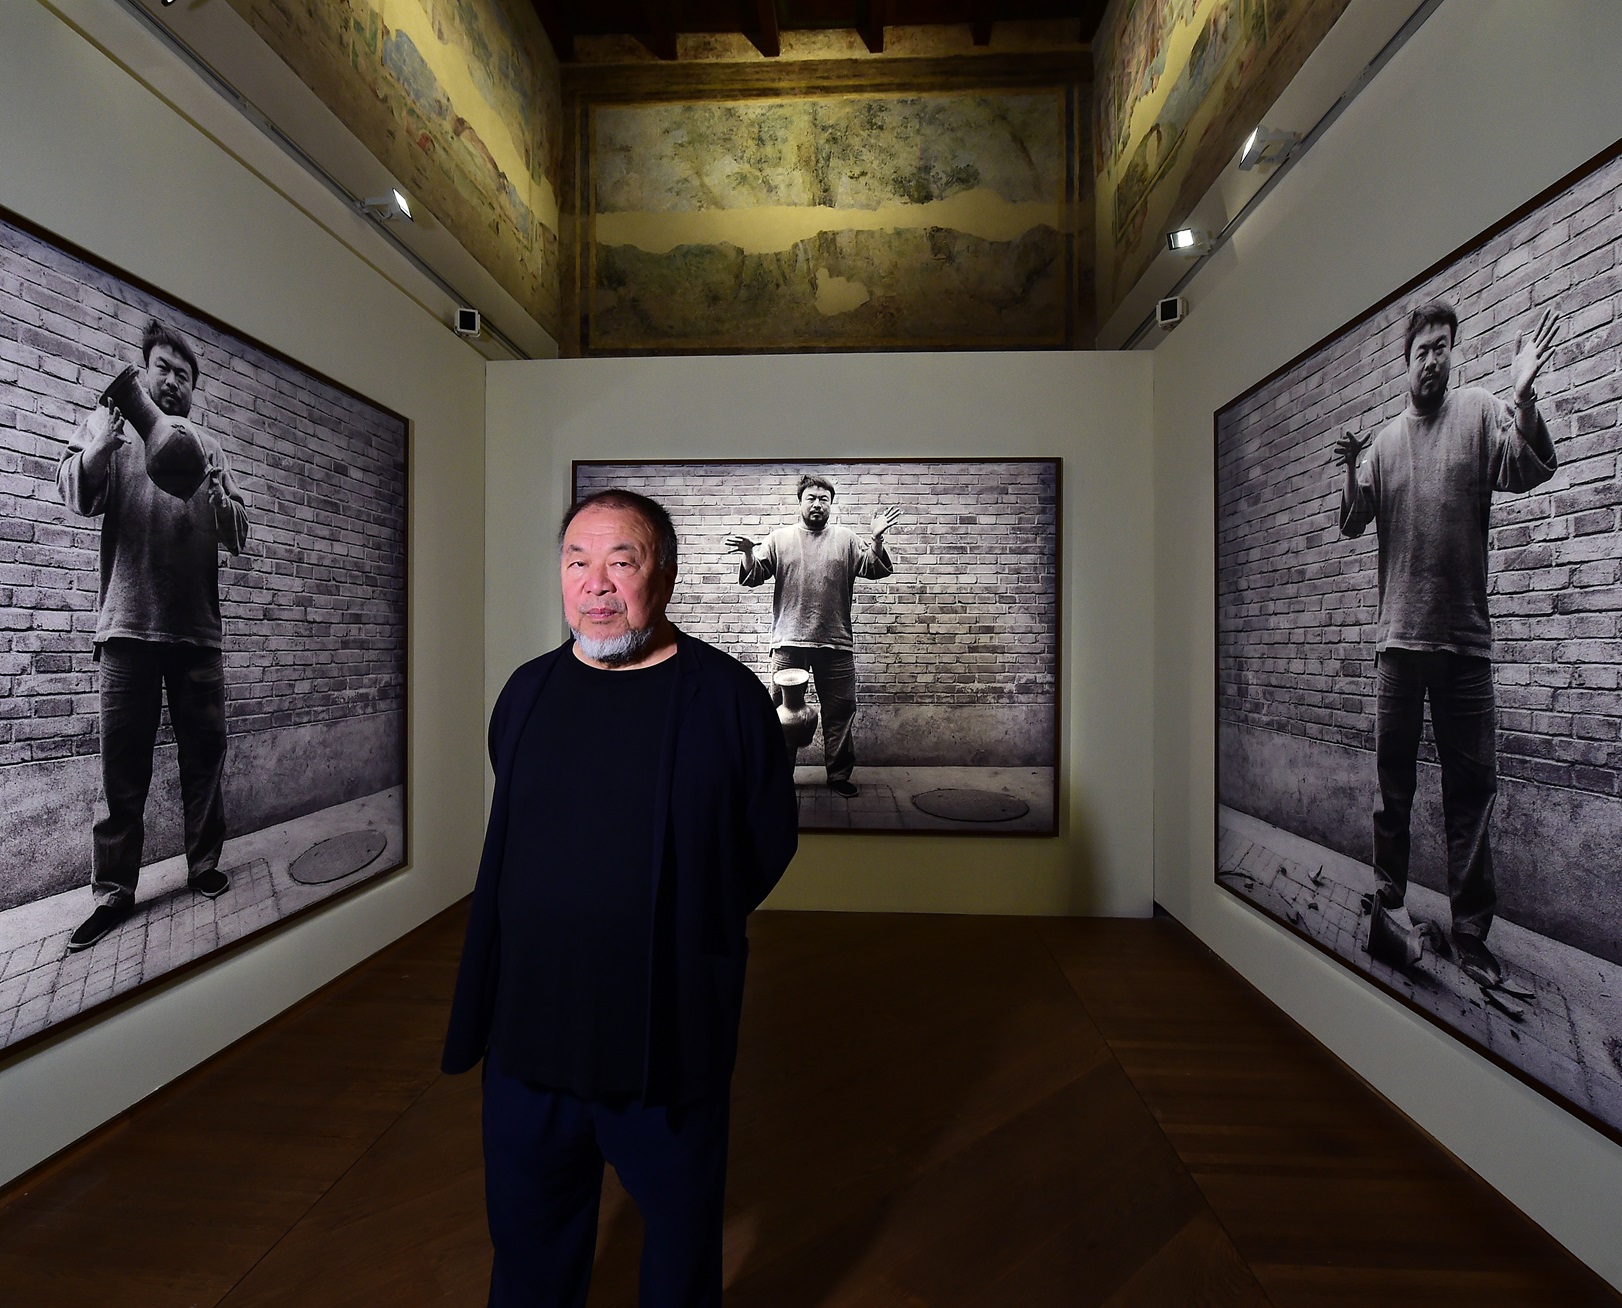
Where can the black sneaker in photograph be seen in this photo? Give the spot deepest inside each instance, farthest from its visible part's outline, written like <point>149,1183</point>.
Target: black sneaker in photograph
<point>846,788</point>
<point>211,884</point>
<point>98,924</point>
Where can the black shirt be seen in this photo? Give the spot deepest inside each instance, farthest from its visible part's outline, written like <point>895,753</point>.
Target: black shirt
<point>576,894</point>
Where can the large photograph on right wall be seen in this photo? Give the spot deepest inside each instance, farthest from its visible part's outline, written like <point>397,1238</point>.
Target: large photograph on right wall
<point>1419,644</point>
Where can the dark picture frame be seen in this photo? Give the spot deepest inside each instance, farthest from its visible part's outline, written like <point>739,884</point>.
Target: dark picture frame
<point>957,651</point>
<point>1297,678</point>
<point>314,645</point>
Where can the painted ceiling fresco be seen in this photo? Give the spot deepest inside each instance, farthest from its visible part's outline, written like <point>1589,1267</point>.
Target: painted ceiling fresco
<point>851,221</point>
<point>460,100</point>
<point>1178,86</point>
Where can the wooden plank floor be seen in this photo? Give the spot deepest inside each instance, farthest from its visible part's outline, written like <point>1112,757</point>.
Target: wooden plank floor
<point>929,1112</point>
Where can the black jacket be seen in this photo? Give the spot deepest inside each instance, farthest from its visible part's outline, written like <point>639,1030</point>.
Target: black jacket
<point>727,808</point>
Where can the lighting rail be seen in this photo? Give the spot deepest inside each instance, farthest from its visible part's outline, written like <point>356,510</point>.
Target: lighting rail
<point>296,152</point>
<point>1416,20</point>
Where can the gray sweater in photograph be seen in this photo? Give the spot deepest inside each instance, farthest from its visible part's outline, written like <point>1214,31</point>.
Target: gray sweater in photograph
<point>816,575</point>
<point>1427,483</point>
<point>160,565</point>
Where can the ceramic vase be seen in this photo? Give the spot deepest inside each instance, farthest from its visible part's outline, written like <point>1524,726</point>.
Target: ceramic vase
<point>174,453</point>
<point>798,719</point>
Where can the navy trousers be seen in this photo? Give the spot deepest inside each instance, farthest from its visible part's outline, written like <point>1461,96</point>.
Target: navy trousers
<point>543,1174</point>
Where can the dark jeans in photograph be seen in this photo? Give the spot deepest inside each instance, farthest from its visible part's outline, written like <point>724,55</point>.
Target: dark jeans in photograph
<point>1464,723</point>
<point>834,672</point>
<point>543,1176</point>
<point>135,677</point>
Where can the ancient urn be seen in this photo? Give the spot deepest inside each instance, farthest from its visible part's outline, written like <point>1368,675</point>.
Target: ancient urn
<point>798,718</point>
<point>174,453</point>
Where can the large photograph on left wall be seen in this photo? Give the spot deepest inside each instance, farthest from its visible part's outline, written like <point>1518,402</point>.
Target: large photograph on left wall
<point>202,636</point>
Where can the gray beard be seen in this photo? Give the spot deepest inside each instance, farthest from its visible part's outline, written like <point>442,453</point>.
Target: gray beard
<point>616,651</point>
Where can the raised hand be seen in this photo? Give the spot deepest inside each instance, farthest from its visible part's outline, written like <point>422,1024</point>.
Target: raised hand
<point>105,426</point>
<point>884,519</point>
<point>1348,447</point>
<point>1532,354</point>
<point>215,481</point>
<point>740,543</point>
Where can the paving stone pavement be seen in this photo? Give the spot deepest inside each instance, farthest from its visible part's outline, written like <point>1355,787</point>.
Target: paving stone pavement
<point>41,984</point>
<point>885,801</point>
<point>875,807</point>
<point>1568,1036</point>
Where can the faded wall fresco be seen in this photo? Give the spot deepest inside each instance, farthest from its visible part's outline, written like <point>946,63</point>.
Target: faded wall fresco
<point>460,100</point>
<point>1179,84</point>
<point>853,221</point>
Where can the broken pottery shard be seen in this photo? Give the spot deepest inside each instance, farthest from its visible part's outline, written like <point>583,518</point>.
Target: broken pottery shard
<point>1503,1003</point>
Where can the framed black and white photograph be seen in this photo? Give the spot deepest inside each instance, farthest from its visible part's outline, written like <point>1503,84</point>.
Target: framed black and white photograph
<point>904,613</point>
<point>1419,644</point>
<point>202,636</point>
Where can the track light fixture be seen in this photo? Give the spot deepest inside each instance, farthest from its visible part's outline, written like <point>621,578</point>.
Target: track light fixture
<point>1265,148</point>
<point>387,207</point>
<point>1188,240</point>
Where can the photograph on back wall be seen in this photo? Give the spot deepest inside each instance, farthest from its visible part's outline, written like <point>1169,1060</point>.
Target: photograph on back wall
<point>904,613</point>
<point>1419,628</point>
<point>202,636</point>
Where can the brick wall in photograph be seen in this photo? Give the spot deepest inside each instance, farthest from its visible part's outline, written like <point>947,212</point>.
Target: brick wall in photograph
<point>313,609</point>
<point>967,623</point>
<point>1297,601</point>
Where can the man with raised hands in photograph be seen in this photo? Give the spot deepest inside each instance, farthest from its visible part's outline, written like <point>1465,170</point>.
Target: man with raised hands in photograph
<point>814,564</point>
<point>643,807</point>
<point>1426,482</point>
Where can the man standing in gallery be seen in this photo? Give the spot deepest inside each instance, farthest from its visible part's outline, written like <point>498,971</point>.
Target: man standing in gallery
<point>643,806</point>
<point>158,629</point>
<point>1426,484</point>
<point>816,563</point>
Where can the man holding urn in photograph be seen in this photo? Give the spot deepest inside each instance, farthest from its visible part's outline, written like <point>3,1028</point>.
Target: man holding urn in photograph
<point>815,564</point>
<point>158,628</point>
<point>1427,483</point>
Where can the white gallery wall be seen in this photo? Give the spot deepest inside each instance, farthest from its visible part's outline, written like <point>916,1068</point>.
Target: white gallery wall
<point>113,145</point>
<point>1490,102</point>
<point>1090,410</point>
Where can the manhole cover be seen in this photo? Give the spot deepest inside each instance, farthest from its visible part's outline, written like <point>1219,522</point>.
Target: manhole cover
<point>337,857</point>
<point>971,805</point>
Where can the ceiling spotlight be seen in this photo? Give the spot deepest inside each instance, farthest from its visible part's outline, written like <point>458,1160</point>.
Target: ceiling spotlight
<point>1265,148</point>
<point>1188,240</point>
<point>387,207</point>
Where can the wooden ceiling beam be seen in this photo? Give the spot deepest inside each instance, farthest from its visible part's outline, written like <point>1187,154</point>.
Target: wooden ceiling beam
<point>765,34</point>
<point>874,19</point>
<point>556,20</point>
<point>660,19</point>
<point>981,15</point>
<point>1092,14</point>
